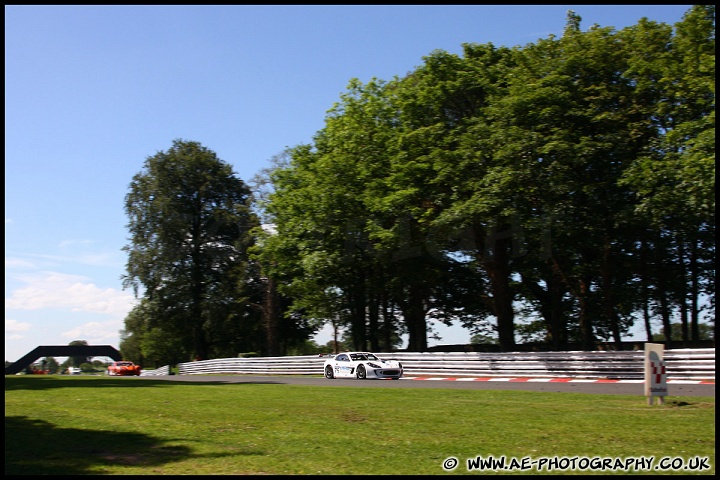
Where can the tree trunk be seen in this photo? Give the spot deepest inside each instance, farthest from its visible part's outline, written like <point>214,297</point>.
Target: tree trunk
<point>608,297</point>
<point>197,313</point>
<point>694,289</point>
<point>587,337</point>
<point>683,295</point>
<point>358,326</point>
<point>645,291</point>
<point>503,307</point>
<point>664,308</point>
<point>414,314</point>
<point>270,312</point>
<point>558,319</point>
<point>665,314</point>
<point>373,321</point>
<point>388,324</point>
<point>495,259</point>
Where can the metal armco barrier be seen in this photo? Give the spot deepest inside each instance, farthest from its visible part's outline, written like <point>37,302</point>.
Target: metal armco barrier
<point>158,371</point>
<point>681,364</point>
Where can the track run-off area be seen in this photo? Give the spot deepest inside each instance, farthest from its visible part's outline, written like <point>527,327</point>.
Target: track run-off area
<point>693,388</point>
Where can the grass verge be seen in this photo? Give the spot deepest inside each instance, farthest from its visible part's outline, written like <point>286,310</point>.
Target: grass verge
<point>130,426</point>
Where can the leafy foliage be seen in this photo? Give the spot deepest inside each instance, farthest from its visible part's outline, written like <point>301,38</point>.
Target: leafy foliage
<point>560,180</point>
<point>559,191</point>
<point>189,219</point>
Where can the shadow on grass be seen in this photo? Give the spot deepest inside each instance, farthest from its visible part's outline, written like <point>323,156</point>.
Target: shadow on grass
<point>35,447</point>
<point>37,382</point>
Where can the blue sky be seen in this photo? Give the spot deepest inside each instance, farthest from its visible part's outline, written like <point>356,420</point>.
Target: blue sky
<point>92,91</point>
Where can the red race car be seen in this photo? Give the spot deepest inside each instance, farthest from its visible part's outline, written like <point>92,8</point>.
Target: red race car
<point>123,368</point>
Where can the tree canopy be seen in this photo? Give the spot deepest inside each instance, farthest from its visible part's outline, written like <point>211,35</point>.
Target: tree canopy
<point>557,192</point>
<point>570,181</point>
<point>189,223</point>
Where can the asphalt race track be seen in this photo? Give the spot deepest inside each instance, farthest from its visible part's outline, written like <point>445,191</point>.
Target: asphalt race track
<point>676,388</point>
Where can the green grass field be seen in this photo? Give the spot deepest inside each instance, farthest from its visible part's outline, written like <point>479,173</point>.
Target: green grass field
<point>62,425</point>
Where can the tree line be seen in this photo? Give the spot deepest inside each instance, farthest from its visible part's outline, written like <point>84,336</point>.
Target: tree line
<point>557,192</point>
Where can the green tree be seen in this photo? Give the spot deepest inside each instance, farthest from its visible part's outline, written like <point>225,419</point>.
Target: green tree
<point>52,365</point>
<point>76,361</point>
<point>189,219</point>
<point>571,180</point>
<point>87,367</point>
<point>554,145</point>
<point>319,254</point>
<point>705,332</point>
<point>445,123</point>
<point>675,177</point>
<point>351,216</point>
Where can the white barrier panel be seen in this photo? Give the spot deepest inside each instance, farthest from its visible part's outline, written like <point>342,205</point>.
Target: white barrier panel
<point>682,364</point>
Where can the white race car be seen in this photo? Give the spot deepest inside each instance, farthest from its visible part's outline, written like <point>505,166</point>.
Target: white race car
<point>361,365</point>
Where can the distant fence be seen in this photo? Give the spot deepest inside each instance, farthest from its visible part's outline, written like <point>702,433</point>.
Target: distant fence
<point>680,364</point>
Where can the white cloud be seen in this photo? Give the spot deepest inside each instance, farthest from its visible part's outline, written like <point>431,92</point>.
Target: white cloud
<point>72,292</point>
<point>112,259</point>
<point>72,243</point>
<point>18,263</point>
<point>15,330</point>
<point>95,332</point>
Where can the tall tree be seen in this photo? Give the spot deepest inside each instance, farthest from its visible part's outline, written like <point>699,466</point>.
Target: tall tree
<point>76,361</point>
<point>433,105</point>
<point>554,167</point>
<point>674,178</point>
<point>189,219</point>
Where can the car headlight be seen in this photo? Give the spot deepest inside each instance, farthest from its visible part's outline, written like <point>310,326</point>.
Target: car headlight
<point>373,365</point>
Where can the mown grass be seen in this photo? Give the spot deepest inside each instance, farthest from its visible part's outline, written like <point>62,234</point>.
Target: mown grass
<point>98,425</point>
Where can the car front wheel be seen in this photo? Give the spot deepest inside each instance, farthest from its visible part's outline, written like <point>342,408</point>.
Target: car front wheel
<point>361,374</point>
<point>329,372</point>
